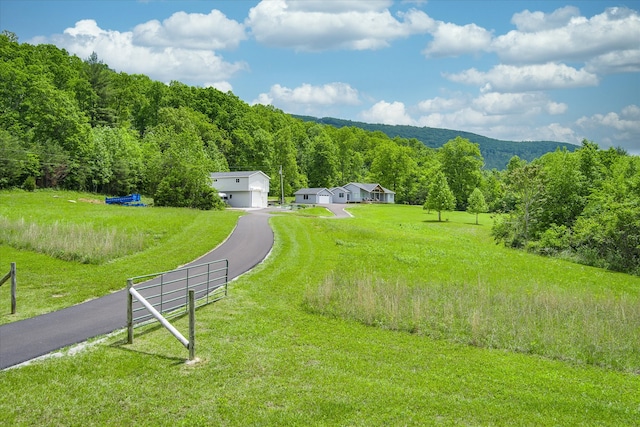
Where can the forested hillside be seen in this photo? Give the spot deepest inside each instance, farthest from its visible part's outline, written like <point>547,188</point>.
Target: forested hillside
<point>75,123</point>
<point>496,153</point>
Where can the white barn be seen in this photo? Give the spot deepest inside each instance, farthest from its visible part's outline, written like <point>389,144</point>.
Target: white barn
<point>319,196</point>
<point>242,189</point>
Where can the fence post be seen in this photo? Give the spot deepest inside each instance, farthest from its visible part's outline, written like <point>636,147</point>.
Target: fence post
<point>192,325</point>
<point>129,312</point>
<point>13,287</point>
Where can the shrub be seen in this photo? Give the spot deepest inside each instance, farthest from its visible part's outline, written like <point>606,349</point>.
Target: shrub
<point>29,184</point>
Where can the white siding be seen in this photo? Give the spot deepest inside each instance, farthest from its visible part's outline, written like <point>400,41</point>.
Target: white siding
<point>243,189</point>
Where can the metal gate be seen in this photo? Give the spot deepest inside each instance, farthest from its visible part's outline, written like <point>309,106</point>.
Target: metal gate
<point>172,293</point>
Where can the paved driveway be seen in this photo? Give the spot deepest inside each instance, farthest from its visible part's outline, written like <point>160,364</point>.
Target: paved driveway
<point>250,242</point>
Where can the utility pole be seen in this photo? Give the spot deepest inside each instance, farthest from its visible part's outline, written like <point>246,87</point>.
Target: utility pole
<point>281,187</point>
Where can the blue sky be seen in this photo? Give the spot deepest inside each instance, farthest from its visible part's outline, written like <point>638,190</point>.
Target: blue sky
<point>517,70</point>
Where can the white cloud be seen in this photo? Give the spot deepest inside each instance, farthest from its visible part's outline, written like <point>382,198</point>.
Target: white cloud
<point>509,116</point>
<point>500,127</point>
<point>119,50</point>
<point>631,112</point>
<point>530,22</point>
<point>308,95</point>
<point>213,31</point>
<point>454,40</point>
<point>556,108</point>
<point>387,113</point>
<point>628,122</point>
<point>510,78</point>
<point>528,103</point>
<point>580,39</point>
<point>621,61</point>
<point>554,132</point>
<point>467,118</point>
<point>619,129</point>
<point>438,104</point>
<point>221,86</point>
<point>317,26</point>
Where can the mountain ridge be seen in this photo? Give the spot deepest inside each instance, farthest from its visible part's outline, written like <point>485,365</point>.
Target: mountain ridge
<point>496,153</point>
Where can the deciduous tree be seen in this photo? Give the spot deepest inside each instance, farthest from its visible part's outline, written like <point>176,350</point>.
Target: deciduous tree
<point>476,203</point>
<point>440,196</point>
<point>461,163</point>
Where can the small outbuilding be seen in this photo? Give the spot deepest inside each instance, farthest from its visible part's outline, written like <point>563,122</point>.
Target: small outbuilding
<point>315,196</point>
<point>242,189</point>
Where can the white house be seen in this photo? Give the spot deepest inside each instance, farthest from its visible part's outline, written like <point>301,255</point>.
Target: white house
<point>242,189</point>
<point>359,192</point>
<point>319,196</point>
<point>340,195</point>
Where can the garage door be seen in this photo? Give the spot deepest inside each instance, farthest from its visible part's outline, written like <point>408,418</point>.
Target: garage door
<point>324,200</point>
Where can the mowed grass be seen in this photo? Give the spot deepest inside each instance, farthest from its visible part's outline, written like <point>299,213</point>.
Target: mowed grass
<point>69,247</point>
<point>266,359</point>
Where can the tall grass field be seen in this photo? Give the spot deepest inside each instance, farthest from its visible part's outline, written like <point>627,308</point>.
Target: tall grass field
<point>386,318</point>
<point>451,281</point>
<point>69,247</point>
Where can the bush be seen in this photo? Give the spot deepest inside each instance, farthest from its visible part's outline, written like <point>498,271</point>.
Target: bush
<point>208,199</point>
<point>610,237</point>
<point>29,184</point>
<point>173,192</point>
<point>553,241</point>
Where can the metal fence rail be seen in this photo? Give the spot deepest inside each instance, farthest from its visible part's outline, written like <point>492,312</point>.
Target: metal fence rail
<point>168,292</point>
<point>174,293</point>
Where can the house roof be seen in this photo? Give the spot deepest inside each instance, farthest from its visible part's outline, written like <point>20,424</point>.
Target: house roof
<point>311,191</point>
<point>239,174</point>
<point>371,187</point>
<point>333,190</point>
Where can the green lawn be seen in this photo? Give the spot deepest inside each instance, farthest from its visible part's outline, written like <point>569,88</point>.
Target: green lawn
<point>169,238</point>
<point>267,357</point>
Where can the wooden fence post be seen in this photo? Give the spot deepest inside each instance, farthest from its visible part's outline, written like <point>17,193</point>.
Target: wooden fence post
<point>11,275</point>
<point>13,287</point>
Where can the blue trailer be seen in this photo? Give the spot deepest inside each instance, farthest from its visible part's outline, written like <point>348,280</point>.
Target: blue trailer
<point>130,200</point>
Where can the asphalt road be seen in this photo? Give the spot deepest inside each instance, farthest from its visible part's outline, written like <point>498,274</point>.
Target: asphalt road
<point>249,243</point>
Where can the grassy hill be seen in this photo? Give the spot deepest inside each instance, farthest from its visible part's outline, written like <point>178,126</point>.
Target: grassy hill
<point>496,153</point>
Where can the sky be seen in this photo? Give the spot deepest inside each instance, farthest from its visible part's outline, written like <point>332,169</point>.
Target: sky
<point>511,70</point>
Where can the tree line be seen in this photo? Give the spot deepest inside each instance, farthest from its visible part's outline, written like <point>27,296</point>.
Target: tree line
<point>73,123</point>
<point>496,153</point>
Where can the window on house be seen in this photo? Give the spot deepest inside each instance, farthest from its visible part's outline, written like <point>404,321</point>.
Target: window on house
<point>306,197</point>
<point>341,195</point>
<point>237,179</point>
<point>230,195</point>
